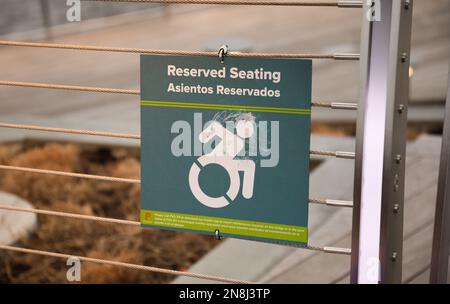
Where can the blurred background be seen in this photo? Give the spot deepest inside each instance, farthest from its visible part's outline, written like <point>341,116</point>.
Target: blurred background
<point>192,27</point>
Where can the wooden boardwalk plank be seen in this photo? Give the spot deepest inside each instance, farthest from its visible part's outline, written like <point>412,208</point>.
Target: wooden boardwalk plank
<point>420,195</point>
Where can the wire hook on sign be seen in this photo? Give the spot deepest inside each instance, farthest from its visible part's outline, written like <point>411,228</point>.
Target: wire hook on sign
<point>223,51</point>
<point>218,235</point>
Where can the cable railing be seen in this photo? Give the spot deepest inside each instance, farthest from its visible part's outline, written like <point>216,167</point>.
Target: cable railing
<point>70,131</point>
<point>338,3</point>
<point>337,154</point>
<point>319,104</point>
<point>329,202</point>
<point>79,47</point>
<point>125,265</point>
<point>334,56</point>
<point>327,249</point>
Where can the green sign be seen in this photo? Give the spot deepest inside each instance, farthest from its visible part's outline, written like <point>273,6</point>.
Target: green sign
<point>225,146</point>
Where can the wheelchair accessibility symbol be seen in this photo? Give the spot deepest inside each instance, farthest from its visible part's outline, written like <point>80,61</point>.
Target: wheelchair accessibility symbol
<point>223,155</point>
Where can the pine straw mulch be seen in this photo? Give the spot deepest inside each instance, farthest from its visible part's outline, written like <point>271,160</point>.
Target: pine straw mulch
<point>130,244</point>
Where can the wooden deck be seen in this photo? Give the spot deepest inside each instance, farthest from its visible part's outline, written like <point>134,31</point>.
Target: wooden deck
<point>319,30</point>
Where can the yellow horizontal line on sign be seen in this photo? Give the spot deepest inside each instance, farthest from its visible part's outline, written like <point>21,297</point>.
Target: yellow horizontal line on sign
<point>170,104</point>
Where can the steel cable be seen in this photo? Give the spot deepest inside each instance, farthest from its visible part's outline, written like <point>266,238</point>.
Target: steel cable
<point>335,56</point>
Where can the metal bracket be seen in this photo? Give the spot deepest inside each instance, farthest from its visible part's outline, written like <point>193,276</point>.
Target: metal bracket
<point>350,3</point>
<point>218,235</point>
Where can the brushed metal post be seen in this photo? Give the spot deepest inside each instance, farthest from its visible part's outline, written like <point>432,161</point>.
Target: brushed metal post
<point>377,233</point>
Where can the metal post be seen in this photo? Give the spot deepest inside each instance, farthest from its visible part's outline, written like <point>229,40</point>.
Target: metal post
<point>380,143</point>
<point>441,235</point>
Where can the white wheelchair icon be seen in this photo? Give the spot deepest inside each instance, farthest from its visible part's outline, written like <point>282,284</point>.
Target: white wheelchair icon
<point>223,154</point>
